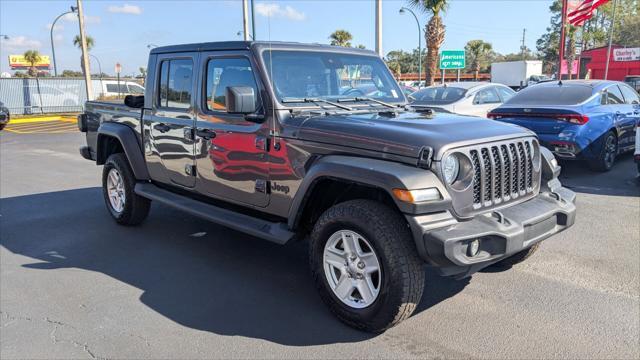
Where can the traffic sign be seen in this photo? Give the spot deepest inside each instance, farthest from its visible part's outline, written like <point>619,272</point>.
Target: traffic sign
<point>118,68</point>
<point>452,59</point>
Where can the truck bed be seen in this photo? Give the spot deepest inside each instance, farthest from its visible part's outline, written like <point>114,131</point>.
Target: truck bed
<point>99,112</point>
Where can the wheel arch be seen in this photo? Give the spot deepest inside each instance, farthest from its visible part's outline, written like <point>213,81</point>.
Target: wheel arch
<point>335,178</point>
<point>115,138</point>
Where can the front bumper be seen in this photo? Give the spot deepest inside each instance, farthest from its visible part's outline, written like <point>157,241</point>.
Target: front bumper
<point>442,240</point>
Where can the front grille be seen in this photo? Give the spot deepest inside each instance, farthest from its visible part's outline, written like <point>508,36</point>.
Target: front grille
<point>503,172</point>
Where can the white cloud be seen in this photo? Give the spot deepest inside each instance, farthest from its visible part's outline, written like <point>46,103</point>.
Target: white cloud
<point>88,19</point>
<point>59,27</point>
<point>125,9</point>
<point>19,44</point>
<point>274,10</point>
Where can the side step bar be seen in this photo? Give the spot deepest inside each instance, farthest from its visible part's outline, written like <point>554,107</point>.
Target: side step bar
<point>275,232</point>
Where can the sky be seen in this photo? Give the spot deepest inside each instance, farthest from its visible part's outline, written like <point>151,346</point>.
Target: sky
<point>122,30</point>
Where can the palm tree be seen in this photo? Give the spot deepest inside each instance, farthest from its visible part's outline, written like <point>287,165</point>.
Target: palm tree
<point>434,32</point>
<point>32,57</point>
<point>341,38</point>
<point>77,41</point>
<point>477,51</point>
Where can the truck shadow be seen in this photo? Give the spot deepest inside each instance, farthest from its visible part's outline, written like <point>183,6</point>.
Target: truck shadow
<point>195,273</point>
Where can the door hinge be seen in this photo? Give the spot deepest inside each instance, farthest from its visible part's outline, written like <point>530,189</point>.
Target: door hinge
<point>190,170</point>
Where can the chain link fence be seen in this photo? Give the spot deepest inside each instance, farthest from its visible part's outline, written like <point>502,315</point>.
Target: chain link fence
<point>32,96</point>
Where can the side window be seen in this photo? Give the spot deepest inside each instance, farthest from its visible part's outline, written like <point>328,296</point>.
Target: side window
<point>614,96</point>
<point>112,88</point>
<point>505,93</point>
<point>630,96</point>
<point>222,73</point>
<point>486,96</point>
<point>176,80</point>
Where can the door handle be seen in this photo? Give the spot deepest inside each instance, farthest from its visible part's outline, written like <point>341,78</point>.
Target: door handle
<point>206,134</point>
<point>163,128</point>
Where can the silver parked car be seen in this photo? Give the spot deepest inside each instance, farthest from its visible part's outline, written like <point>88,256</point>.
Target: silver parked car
<point>465,98</point>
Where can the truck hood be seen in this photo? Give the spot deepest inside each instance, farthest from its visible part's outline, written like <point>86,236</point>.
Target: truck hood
<point>406,134</point>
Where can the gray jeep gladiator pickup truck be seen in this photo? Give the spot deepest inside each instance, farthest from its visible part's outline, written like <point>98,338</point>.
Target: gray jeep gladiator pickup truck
<point>290,141</point>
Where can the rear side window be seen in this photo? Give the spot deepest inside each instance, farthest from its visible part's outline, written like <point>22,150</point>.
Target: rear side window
<point>487,96</point>
<point>176,80</point>
<point>614,95</point>
<point>223,73</point>
<point>439,95</point>
<point>505,93</point>
<point>630,95</point>
<point>551,95</point>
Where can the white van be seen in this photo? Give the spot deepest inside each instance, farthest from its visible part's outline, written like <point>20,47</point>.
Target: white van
<point>110,88</point>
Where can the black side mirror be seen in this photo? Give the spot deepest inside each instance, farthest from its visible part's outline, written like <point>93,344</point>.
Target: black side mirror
<point>134,101</point>
<point>240,100</point>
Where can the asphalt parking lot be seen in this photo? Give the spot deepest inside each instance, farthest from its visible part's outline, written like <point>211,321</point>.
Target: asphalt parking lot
<point>73,284</point>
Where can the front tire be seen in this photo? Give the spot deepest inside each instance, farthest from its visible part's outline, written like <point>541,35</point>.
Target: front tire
<point>607,155</point>
<point>365,265</point>
<point>118,182</point>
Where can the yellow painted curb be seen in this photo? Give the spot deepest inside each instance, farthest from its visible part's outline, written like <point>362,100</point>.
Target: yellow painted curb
<point>35,119</point>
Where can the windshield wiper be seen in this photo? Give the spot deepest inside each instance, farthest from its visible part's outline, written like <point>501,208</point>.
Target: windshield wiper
<point>359,99</point>
<point>289,100</point>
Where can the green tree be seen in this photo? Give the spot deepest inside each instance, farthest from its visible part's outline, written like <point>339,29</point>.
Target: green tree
<point>434,32</point>
<point>477,52</point>
<point>341,38</point>
<point>32,57</point>
<point>71,73</point>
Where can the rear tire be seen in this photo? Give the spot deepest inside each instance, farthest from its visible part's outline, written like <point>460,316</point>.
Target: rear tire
<point>118,182</point>
<point>516,258</point>
<point>400,279</point>
<point>607,155</point>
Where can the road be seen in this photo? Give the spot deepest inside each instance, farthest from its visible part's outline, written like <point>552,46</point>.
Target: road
<point>73,284</point>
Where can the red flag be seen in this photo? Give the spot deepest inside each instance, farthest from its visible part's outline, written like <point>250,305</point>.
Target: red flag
<point>584,11</point>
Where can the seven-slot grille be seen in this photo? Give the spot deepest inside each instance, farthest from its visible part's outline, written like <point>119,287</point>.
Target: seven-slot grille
<point>503,172</point>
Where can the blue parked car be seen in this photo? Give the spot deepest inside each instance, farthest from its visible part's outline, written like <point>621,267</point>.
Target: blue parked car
<point>591,120</point>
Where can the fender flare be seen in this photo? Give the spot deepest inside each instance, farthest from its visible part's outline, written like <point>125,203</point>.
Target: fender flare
<point>129,141</point>
<point>381,174</point>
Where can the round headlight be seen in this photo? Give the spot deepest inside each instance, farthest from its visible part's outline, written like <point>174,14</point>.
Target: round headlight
<point>450,168</point>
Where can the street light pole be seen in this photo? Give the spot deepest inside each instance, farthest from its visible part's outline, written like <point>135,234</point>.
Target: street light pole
<point>402,11</point>
<point>53,49</point>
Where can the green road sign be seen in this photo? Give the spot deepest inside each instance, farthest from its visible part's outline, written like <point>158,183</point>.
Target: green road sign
<point>452,59</point>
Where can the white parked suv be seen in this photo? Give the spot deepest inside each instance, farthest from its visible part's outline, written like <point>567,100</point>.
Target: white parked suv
<point>110,88</point>
<point>464,98</point>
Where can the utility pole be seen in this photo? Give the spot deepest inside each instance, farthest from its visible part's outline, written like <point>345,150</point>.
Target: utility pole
<point>379,27</point>
<point>613,24</point>
<point>253,20</point>
<point>85,55</point>
<point>562,38</point>
<point>245,20</point>
<point>523,47</point>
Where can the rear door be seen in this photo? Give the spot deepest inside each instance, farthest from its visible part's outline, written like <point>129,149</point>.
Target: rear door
<point>618,109</point>
<point>485,100</point>
<point>631,114</point>
<point>171,156</point>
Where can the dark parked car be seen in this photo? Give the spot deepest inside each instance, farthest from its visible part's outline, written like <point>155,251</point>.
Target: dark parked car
<point>5,117</point>
<point>633,81</point>
<point>265,139</point>
<point>591,120</point>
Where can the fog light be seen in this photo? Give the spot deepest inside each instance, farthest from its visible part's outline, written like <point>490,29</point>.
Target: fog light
<point>473,247</point>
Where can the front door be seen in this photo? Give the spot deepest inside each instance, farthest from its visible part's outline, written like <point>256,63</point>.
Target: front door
<point>170,125</point>
<point>231,151</point>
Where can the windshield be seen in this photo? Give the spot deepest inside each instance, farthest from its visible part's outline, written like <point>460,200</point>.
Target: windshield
<point>438,95</point>
<point>551,95</point>
<point>330,76</point>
